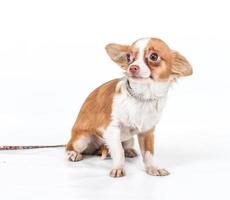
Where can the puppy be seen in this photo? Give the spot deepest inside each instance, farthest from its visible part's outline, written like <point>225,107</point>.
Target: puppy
<point>132,105</point>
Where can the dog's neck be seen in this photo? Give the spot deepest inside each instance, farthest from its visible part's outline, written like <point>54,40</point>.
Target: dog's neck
<point>147,90</point>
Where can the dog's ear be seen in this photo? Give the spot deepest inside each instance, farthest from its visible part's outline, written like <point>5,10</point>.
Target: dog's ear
<point>180,65</point>
<point>118,53</point>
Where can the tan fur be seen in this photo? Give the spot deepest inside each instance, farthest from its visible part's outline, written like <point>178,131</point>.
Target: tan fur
<point>146,141</point>
<point>95,113</point>
<point>118,53</point>
<point>162,70</point>
<point>180,65</point>
<point>103,151</point>
<point>171,62</point>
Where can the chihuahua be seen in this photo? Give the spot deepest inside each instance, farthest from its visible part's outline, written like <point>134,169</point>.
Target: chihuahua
<point>132,105</point>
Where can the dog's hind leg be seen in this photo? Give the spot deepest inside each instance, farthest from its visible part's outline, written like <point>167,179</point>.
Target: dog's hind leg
<point>128,148</point>
<point>77,145</point>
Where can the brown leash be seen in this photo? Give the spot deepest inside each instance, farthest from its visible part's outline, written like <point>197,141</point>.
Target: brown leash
<point>23,147</point>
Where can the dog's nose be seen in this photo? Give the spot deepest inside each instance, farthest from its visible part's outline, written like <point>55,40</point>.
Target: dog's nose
<point>134,69</point>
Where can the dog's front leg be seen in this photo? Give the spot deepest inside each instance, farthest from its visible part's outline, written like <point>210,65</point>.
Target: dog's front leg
<point>146,143</point>
<point>113,141</point>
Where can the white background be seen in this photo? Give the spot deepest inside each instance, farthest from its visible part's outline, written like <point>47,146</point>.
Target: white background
<point>52,55</point>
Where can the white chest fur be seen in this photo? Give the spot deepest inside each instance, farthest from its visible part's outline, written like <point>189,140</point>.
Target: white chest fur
<point>133,114</point>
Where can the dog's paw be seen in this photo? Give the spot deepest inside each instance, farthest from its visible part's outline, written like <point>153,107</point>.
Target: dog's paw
<point>130,153</point>
<point>115,173</point>
<point>74,156</point>
<point>154,171</point>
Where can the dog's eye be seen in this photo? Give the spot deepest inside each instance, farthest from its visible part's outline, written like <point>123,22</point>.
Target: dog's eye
<point>154,57</point>
<point>128,57</point>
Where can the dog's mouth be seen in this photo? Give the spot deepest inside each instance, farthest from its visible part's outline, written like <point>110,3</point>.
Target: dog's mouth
<point>137,77</point>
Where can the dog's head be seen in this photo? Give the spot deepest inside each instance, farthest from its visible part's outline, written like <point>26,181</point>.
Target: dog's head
<point>149,58</point>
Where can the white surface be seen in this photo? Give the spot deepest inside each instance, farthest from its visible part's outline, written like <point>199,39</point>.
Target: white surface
<point>52,55</point>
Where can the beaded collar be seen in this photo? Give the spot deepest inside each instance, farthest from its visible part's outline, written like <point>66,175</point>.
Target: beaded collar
<point>138,96</point>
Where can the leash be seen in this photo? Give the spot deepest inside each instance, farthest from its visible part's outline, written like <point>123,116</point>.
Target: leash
<point>24,147</point>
